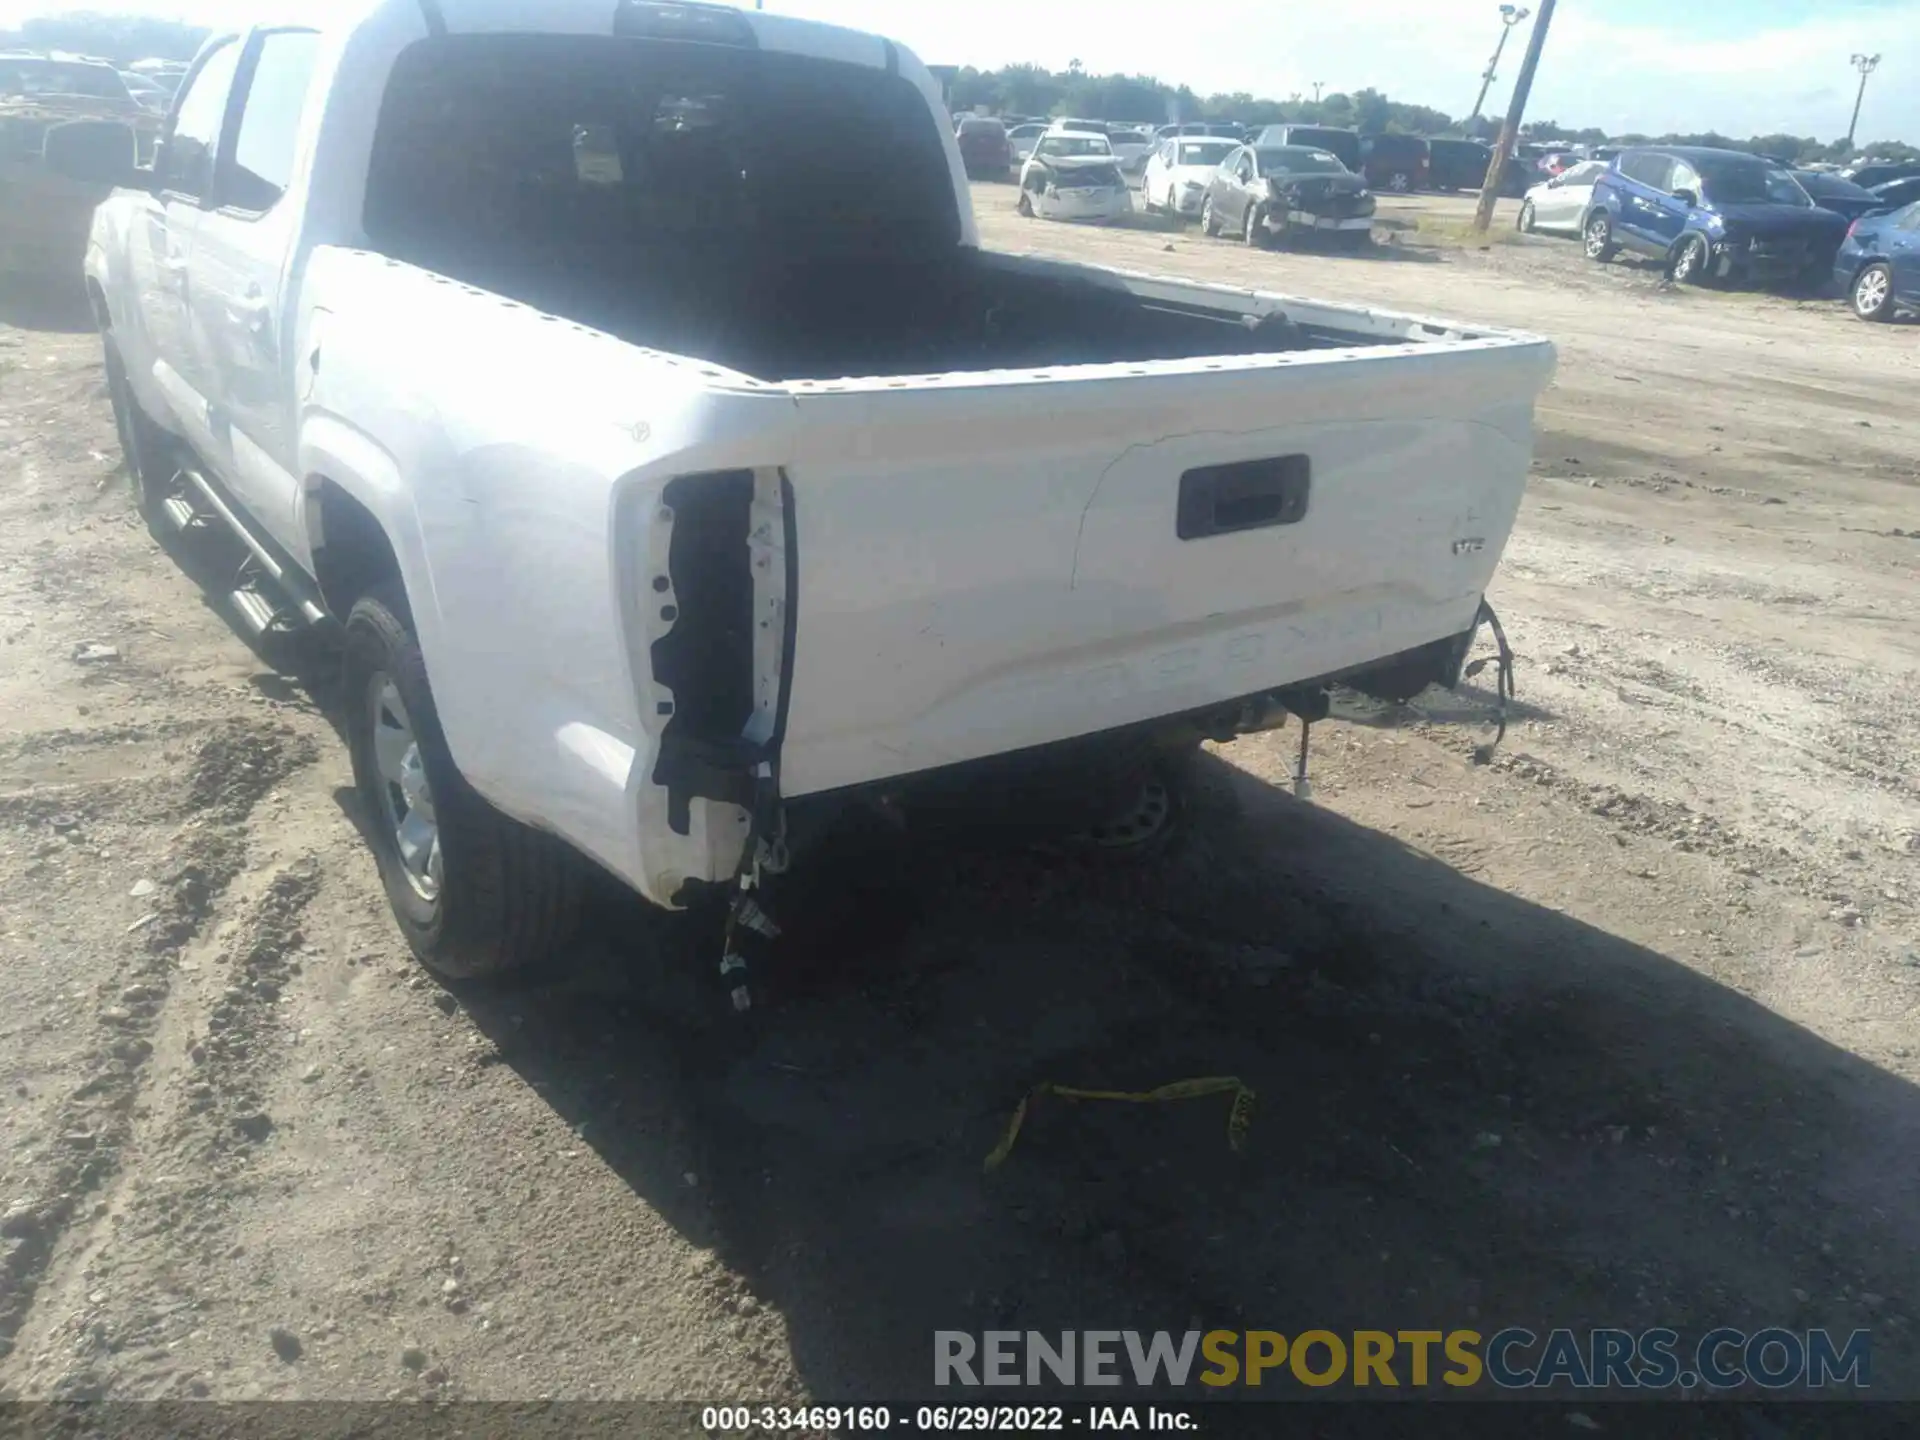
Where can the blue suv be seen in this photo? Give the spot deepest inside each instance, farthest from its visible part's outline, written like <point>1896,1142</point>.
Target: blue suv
<point>1711,215</point>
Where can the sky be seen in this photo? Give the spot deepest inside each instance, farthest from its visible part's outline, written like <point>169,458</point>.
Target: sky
<point>1741,67</point>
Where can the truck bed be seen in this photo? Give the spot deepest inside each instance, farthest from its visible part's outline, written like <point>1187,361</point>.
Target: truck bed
<point>798,318</point>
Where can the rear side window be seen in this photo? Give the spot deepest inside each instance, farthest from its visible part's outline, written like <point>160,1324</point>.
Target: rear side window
<point>524,148</point>
<point>186,162</point>
<point>1648,169</point>
<point>263,148</point>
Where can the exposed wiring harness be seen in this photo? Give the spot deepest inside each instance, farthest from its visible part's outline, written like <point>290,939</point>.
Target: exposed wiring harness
<point>1504,683</point>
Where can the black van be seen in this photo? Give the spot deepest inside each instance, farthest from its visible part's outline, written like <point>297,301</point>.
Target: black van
<point>1343,143</point>
<point>1459,164</point>
<point>1396,162</point>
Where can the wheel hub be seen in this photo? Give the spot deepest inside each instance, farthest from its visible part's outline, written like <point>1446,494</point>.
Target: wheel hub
<point>405,796</point>
<point>1142,822</point>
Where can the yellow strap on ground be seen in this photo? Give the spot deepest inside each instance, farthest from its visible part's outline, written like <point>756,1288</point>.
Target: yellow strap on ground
<point>1238,1118</point>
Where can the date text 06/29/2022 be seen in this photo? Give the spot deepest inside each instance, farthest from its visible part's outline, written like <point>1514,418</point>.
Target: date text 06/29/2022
<point>935,1419</point>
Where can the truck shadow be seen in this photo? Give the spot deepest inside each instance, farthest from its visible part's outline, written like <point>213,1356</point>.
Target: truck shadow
<point>36,303</point>
<point>1472,1111</point>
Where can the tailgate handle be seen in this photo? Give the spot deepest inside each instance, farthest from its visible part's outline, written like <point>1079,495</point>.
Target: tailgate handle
<point>1249,495</point>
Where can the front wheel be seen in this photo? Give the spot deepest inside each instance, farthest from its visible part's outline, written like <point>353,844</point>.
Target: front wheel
<point>1692,262</point>
<point>1525,221</point>
<point>475,893</point>
<point>1400,182</point>
<point>1598,241</point>
<point>142,442</point>
<point>1025,205</point>
<point>1255,231</point>
<point>1209,222</point>
<point>1872,294</point>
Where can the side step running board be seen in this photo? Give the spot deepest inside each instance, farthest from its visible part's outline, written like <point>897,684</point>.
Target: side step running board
<point>181,514</point>
<point>195,491</point>
<point>258,612</point>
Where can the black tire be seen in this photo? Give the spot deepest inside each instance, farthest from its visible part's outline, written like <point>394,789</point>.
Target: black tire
<point>508,896</point>
<point>1209,222</point>
<point>1400,182</point>
<point>1524,221</point>
<point>1692,262</point>
<point>1596,237</point>
<point>1024,205</point>
<point>1254,231</point>
<point>143,443</point>
<point>1871,294</point>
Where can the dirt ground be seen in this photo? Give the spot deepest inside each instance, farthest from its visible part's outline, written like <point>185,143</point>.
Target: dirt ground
<point>1617,1030</point>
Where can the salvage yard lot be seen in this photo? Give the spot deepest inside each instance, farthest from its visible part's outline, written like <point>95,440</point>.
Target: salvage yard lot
<point>1618,1030</point>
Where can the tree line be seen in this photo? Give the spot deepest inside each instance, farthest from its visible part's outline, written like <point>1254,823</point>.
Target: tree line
<point>1035,90</point>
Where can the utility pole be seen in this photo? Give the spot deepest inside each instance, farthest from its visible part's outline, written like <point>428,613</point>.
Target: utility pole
<point>1516,111</point>
<point>1866,65</point>
<point>1510,16</point>
<point>1318,86</point>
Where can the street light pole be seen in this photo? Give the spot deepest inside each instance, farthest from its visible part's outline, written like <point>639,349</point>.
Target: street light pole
<point>1866,65</point>
<point>1510,16</point>
<point>1516,111</point>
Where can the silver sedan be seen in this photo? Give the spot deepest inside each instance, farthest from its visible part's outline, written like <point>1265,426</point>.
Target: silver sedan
<point>1559,206</point>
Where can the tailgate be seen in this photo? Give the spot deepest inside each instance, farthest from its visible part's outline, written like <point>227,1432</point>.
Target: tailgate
<point>989,562</point>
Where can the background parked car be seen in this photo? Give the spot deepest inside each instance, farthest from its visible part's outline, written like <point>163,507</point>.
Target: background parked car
<point>1022,138</point>
<point>1897,193</point>
<point>1343,143</point>
<point>1843,197</point>
<point>45,217</point>
<point>1065,123</point>
<point>1711,214</point>
<point>1458,164</point>
<point>1181,169</point>
<point>984,148</point>
<point>1279,191</point>
<point>1400,163</point>
<point>1879,263</point>
<point>149,93</point>
<point>1559,205</point>
<point>1870,173</point>
<point>1132,148</point>
<point>1067,179</point>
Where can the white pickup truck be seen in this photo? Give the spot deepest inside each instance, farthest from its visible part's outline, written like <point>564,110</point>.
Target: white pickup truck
<point>625,382</point>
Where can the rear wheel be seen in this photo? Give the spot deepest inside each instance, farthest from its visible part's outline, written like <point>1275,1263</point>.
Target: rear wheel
<point>1872,294</point>
<point>1209,222</point>
<point>1400,182</point>
<point>475,893</point>
<point>1598,239</point>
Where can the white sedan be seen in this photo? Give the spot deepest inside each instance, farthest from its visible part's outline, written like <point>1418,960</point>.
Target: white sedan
<point>1074,176</point>
<point>1178,174</point>
<point>1559,206</point>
